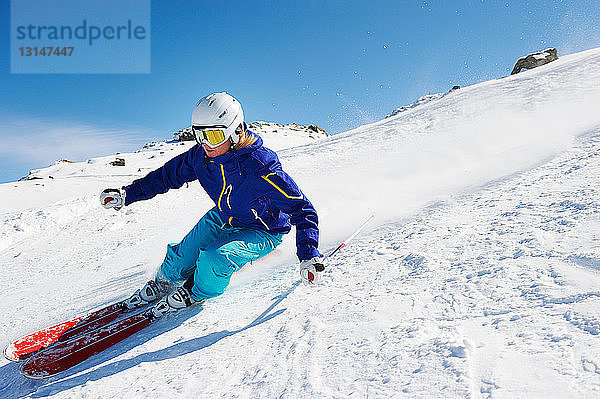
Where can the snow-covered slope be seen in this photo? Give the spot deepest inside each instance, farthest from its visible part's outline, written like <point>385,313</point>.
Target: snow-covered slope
<point>427,98</point>
<point>291,134</point>
<point>479,277</point>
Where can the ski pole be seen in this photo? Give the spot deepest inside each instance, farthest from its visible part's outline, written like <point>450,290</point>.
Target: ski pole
<point>343,244</point>
<point>319,267</point>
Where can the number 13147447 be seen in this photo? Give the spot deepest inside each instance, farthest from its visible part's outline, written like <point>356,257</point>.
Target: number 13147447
<point>46,51</point>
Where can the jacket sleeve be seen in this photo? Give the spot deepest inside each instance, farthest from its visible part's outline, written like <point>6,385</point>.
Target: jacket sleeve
<point>171,175</point>
<point>285,195</point>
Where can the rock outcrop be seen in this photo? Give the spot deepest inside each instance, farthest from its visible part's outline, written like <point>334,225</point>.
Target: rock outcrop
<point>535,60</point>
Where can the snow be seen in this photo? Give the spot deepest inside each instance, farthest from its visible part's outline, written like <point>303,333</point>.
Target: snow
<point>422,100</point>
<point>478,278</point>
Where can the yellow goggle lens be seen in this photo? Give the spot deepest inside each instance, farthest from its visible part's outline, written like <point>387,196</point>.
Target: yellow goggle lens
<point>213,136</point>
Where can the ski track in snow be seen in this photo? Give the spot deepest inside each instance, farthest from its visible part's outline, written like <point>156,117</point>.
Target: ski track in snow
<point>493,292</point>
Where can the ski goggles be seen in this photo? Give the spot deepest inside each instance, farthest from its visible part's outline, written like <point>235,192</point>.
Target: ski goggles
<point>212,136</point>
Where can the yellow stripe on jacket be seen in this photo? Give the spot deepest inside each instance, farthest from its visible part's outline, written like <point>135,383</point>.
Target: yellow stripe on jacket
<point>278,188</point>
<point>223,190</point>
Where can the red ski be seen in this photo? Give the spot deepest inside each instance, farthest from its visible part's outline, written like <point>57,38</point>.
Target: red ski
<point>66,354</point>
<point>26,346</point>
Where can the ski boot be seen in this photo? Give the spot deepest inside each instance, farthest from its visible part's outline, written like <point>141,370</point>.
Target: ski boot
<point>178,299</point>
<point>150,292</point>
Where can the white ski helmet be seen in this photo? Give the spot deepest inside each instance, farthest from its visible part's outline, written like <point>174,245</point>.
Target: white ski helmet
<point>215,119</point>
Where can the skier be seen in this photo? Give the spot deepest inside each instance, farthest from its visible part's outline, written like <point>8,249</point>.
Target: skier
<point>256,203</point>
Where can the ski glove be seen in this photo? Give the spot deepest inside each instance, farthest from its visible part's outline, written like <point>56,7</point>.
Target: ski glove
<point>113,198</point>
<point>311,270</point>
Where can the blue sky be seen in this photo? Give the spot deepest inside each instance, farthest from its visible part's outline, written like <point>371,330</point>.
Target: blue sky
<point>337,64</point>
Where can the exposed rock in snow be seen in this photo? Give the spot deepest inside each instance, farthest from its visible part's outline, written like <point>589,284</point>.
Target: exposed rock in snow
<point>291,133</point>
<point>422,100</point>
<point>118,162</point>
<point>535,60</point>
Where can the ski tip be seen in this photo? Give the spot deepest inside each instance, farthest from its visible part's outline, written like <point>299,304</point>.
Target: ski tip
<point>10,353</point>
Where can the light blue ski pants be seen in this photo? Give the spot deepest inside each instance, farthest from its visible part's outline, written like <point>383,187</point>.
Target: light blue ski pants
<point>211,252</point>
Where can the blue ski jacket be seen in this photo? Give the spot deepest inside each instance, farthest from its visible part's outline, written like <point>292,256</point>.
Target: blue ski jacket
<point>249,188</point>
